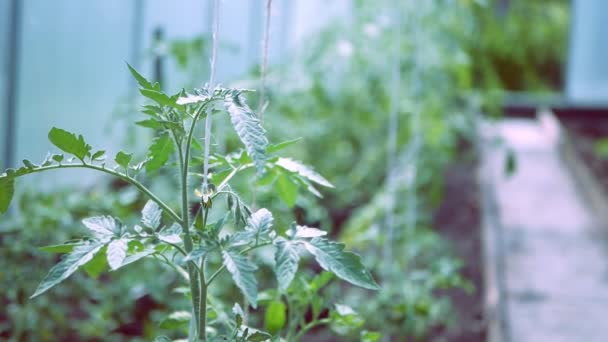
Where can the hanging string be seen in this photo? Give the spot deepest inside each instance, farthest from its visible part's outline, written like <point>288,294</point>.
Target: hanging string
<point>264,64</point>
<point>391,176</point>
<point>412,196</point>
<point>263,70</point>
<point>210,89</point>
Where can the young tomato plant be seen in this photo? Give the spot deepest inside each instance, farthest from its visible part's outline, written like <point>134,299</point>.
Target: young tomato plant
<point>189,242</point>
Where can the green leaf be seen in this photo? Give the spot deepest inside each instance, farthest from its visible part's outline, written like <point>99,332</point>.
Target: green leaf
<point>346,265</point>
<point>7,190</point>
<point>117,252</point>
<point>151,215</point>
<point>137,256</point>
<point>69,143</point>
<point>64,248</point>
<point>287,190</point>
<point>97,264</point>
<point>161,98</point>
<point>67,266</point>
<point>123,159</point>
<point>171,234</point>
<point>159,152</point>
<point>370,336</point>
<point>260,222</point>
<point>29,164</point>
<point>303,170</point>
<point>275,317</point>
<point>282,145</point>
<point>150,123</point>
<point>98,155</point>
<point>248,128</point>
<point>344,319</point>
<point>143,82</point>
<point>199,252</point>
<point>242,271</point>
<point>305,232</point>
<point>176,320</point>
<point>103,227</point>
<point>286,258</point>
<point>258,336</point>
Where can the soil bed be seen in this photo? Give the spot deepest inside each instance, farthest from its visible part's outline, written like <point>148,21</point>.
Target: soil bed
<point>458,220</point>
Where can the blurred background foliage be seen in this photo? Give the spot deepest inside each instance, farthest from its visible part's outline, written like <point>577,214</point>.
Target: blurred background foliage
<point>455,58</point>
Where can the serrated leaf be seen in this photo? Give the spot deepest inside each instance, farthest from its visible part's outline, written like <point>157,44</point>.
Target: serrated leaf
<point>286,261</point>
<point>171,234</point>
<point>103,227</point>
<point>303,170</point>
<point>151,215</point>
<point>143,82</point>
<point>199,252</point>
<point>159,152</point>
<point>69,143</point>
<point>67,266</point>
<point>137,256</point>
<point>287,190</point>
<point>7,190</point>
<point>282,145</point>
<point>242,271</point>
<point>260,222</point>
<point>346,265</point>
<point>150,123</point>
<point>305,232</point>
<point>249,129</point>
<point>161,98</point>
<point>64,248</point>
<point>117,252</point>
<point>123,159</point>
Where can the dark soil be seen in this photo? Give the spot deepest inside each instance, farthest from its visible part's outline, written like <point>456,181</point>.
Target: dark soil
<point>458,220</point>
<point>585,134</point>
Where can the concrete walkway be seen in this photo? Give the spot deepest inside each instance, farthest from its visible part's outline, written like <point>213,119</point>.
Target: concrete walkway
<point>547,251</point>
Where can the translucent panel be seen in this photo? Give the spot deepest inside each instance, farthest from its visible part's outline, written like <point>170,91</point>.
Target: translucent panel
<point>4,22</point>
<point>72,71</point>
<point>587,68</point>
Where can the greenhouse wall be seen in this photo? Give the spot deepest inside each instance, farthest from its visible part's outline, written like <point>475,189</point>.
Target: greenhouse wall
<point>73,55</point>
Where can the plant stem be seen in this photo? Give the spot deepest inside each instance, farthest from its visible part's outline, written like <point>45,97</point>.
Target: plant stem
<point>309,326</point>
<point>116,174</point>
<point>193,272</point>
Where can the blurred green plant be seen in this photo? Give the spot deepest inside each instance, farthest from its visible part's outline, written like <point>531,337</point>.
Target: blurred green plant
<point>192,244</point>
<point>520,46</point>
<point>81,309</point>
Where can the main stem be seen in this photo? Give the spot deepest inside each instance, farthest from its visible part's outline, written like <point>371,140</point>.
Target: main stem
<point>192,269</point>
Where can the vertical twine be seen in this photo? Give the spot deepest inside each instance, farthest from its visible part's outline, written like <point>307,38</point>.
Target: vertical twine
<point>392,147</point>
<point>210,89</point>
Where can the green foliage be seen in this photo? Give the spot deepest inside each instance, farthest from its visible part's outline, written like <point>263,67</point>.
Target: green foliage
<point>190,247</point>
<point>159,152</point>
<point>7,190</point>
<point>69,143</point>
<point>346,265</point>
<point>68,265</point>
<point>248,128</point>
<point>242,271</point>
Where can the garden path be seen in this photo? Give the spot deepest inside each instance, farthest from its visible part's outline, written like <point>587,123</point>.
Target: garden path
<point>547,261</point>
